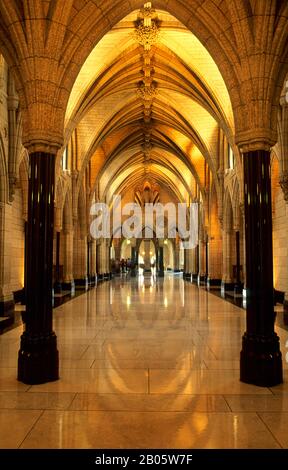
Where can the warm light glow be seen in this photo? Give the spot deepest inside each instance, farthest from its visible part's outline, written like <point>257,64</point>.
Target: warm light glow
<point>128,242</point>
<point>166,242</point>
<point>166,302</point>
<point>128,301</point>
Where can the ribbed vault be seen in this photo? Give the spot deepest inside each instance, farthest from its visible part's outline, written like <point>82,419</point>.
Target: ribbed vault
<point>123,139</point>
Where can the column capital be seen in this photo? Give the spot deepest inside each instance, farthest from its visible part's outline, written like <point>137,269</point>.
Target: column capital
<point>46,143</point>
<point>252,140</point>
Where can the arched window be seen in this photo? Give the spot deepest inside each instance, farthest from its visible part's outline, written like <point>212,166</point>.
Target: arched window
<point>65,160</point>
<point>231,158</point>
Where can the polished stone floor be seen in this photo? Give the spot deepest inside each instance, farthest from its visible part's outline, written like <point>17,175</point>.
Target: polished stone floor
<point>145,363</point>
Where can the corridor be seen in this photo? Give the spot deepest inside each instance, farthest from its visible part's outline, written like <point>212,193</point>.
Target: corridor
<point>144,363</point>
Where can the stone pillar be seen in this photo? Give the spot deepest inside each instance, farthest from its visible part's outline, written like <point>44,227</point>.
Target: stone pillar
<point>23,301</point>
<point>133,261</point>
<point>93,262</point>
<point>238,285</point>
<point>117,249</point>
<point>242,210</point>
<point>38,356</point>
<point>187,264</point>
<point>191,259</point>
<point>215,261</point>
<point>283,151</point>
<point>261,359</point>
<point>80,260</point>
<point>104,261</point>
<point>6,295</point>
<point>176,258</point>
<point>101,260</point>
<point>195,264</point>
<point>227,282</point>
<point>107,258</point>
<point>68,279</point>
<point>57,283</point>
<point>206,244</point>
<point>202,262</point>
<point>147,266</point>
<point>160,259</point>
<point>98,261</point>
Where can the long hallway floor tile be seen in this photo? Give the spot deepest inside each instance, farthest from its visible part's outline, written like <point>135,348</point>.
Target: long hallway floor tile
<point>144,363</point>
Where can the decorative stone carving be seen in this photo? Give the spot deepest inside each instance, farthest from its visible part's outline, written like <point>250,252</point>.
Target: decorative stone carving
<point>146,34</point>
<point>147,30</point>
<point>147,93</point>
<point>147,148</point>
<point>147,193</point>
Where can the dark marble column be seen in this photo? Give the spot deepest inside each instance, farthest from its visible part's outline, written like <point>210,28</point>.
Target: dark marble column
<point>238,286</point>
<point>100,276</point>
<point>161,261</point>
<point>38,355</point>
<point>57,284</point>
<point>25,262</point>
<point>261,360</point>
<point>89,251</point>
<point>195,273</point>
<point>133,261</point>
<point>206,259</point>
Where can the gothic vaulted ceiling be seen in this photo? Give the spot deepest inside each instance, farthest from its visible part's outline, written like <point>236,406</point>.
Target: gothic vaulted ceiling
<point>148,105</point>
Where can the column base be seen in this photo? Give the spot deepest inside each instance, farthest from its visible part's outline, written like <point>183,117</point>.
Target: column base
<point>279,297</point>
<point>38,359</point>
<point>160,273</point>
<point>69,286</point>
<point>194,278</point>
<point>187,276</point>
<point>238,288</point>
<point>227,286</point>
<point>19,296</point>
<point>202,280</point>
<point>213,282</point>
<point>92,280</point>
<point>7,308</point>
<point>261,360</point>
<point>7,314</point>
<point>285,312</point>
<point>81,283</point>
<point>57,288</point>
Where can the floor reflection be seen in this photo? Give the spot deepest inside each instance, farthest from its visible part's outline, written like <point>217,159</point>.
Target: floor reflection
<point>146,362</point>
